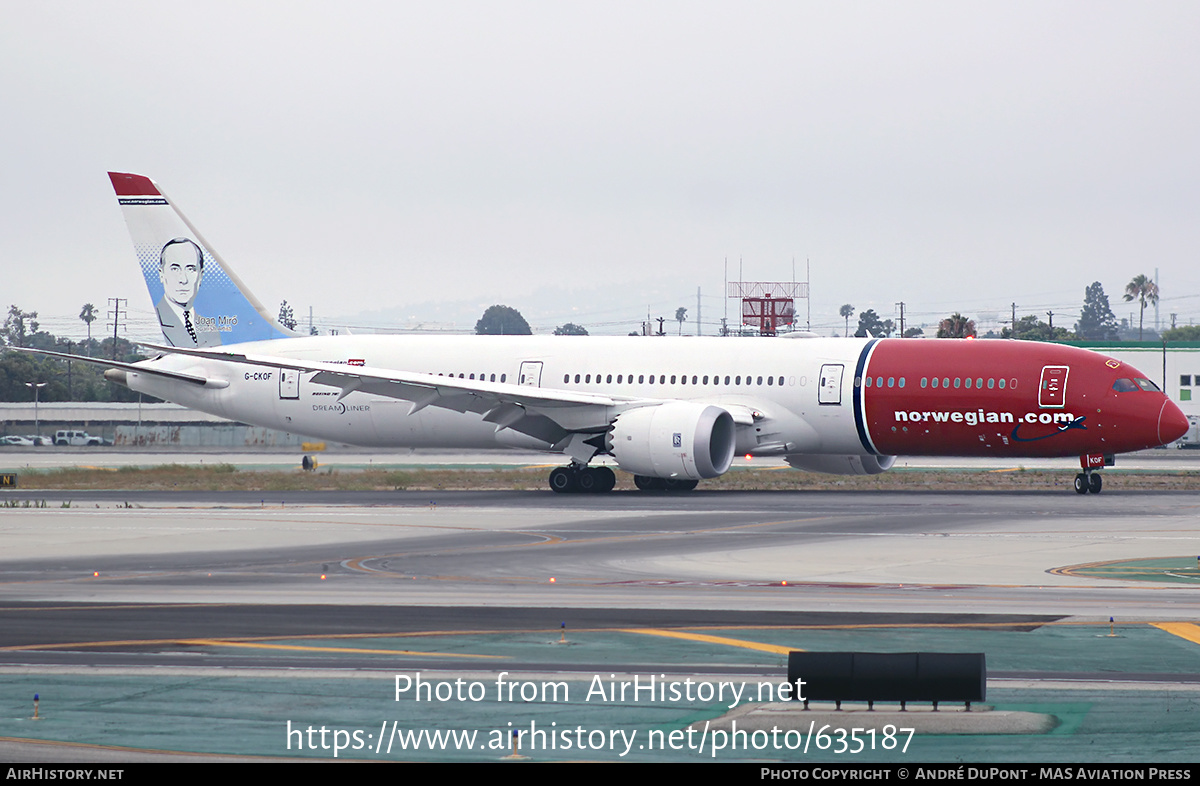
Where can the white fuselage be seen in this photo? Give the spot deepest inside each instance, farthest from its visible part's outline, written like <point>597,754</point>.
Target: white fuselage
<point>778,379</point>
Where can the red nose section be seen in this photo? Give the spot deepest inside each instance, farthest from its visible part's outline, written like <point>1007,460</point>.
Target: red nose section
<point>1172,424</point>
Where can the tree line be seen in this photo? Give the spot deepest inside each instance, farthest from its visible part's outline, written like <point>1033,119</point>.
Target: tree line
<point>64,380</point>
<point>1096,321</point>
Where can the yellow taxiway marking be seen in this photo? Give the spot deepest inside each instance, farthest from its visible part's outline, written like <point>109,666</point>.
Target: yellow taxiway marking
<point>356,650</point>
<point>749,645</point>
<point>1184,630</point>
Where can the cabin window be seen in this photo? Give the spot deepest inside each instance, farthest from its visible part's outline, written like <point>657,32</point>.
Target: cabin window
<point>706,379</point>
<point>891,382</point>
<point>770,380</point>
<point>957,382</point>
<point>967,383</point>
<point>979,382</point>
<point>672,379</point>
<point>991,383</point>
<point>694,378</point>
<point>641,378</point>
<point>867,382</point>
<point>924,383</point>
<point>901,381</point>
<point>1002,384</point>
<point>935,383</point>
<point>608,380</point>
<point>576,379</point>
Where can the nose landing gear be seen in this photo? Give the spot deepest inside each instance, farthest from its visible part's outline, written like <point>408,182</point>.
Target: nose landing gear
<point>1088,480</point>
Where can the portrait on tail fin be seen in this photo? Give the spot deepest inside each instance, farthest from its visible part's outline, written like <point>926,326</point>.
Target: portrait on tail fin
<point>181,270</point>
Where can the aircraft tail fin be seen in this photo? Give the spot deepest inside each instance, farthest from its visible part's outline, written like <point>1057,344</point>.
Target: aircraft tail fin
<point>200,301</point>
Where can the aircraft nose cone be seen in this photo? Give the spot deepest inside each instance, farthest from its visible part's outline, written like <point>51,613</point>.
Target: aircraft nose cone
<point>1172,424</point>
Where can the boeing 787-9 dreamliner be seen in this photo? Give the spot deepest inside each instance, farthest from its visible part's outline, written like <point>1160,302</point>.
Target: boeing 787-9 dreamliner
<point>671,411</point>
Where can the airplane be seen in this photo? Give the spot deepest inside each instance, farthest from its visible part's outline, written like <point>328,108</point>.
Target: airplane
<point>671,411</point>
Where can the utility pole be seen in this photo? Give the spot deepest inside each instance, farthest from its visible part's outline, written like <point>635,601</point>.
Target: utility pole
<point>1051,315</point>
<point>37,423</point>
<point>1013,329</point>
<point>116,319</point>
<point>901,305</point>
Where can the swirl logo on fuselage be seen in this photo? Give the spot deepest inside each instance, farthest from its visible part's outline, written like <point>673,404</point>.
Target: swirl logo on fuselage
<point>1076,423</point>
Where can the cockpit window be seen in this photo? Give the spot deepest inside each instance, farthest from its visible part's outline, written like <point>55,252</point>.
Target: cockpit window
<point>1126,385</point>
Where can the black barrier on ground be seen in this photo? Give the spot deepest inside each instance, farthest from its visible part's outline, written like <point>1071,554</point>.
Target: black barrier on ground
<point>890,676</point>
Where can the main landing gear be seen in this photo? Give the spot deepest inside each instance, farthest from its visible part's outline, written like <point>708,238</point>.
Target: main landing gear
<point>645,483</point>
<point>1088,480</point>
<point>579,479</point>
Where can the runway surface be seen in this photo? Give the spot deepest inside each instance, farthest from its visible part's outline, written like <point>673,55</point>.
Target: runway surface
<point>123,589</point>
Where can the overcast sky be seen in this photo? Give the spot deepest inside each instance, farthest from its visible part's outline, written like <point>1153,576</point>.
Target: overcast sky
<point>361,157</point>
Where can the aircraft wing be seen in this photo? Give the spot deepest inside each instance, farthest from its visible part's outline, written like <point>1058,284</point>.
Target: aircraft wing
<point>545,413</point>
<point>192,379</point>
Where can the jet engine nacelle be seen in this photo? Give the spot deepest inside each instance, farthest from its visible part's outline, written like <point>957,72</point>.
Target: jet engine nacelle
<point>842,465</point>
<point>676,440</point>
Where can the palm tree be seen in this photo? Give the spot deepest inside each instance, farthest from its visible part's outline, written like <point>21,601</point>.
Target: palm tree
<point>88,315</point>
<point>956,326</point>
<point>846,312</point>
<point>1143,290</point>
<point>680,316</point>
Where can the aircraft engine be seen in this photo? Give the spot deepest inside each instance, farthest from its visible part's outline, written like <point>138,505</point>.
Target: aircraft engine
<point>676,440</point>
<point>842,465</point>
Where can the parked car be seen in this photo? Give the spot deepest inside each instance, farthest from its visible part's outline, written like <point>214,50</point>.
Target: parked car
<point>38,439</point>
<point>24,442</point>
<point>76,438</point>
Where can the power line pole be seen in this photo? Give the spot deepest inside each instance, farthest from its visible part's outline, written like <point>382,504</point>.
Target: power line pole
<point>116,319</point>
<point>901,305</point>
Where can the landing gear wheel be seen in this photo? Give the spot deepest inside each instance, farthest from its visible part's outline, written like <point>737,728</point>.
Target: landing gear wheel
<point>606,479</point>
<point>585,481</point>
<point>671,484</point>
<point>563,480</point>
<point>1095,483</point>
<point>646,483</point>
<point>1081,484</point>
